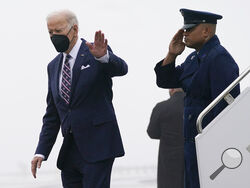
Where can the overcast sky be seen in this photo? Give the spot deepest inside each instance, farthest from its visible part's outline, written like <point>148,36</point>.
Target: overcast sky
<point>138,31</point>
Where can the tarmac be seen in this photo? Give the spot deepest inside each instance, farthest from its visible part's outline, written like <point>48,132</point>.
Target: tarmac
<point>122,177</point>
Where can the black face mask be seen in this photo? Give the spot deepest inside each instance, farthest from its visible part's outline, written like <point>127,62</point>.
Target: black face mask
<point>61,42</point>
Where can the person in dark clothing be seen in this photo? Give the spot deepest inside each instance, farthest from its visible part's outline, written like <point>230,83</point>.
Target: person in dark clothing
<point>79,103</point>
<point>205,73</point>
<point>166,124</point>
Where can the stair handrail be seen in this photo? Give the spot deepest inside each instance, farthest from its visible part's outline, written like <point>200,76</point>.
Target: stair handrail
<point>218,99</point>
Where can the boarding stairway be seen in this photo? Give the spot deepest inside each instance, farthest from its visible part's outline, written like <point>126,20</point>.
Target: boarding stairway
<point>223,146</point>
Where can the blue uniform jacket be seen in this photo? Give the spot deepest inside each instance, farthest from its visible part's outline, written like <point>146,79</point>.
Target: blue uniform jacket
<point>90,114</point>
<point>203,77</point>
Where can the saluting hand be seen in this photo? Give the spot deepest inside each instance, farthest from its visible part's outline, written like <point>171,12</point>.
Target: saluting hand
<point>36,163</point>
<point>177,45</point>
<point>100,45</point>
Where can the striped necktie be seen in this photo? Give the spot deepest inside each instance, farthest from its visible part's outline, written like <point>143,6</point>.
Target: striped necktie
<point>66,80</point>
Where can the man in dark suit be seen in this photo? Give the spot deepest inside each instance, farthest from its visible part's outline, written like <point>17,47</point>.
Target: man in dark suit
<point>203,76</point>
<point>79,101</point>
<point>166,124</point>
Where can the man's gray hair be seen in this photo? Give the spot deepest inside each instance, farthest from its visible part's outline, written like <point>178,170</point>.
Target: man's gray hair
<point>69,15</point>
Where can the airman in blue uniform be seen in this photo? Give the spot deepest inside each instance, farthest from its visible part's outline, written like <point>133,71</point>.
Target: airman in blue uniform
<point>203,76</point>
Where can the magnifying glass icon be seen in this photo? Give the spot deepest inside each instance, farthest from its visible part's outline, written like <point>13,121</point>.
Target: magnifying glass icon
<point>231,158</point>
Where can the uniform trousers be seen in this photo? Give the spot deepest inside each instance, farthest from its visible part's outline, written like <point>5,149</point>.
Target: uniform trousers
<point>191,167</point>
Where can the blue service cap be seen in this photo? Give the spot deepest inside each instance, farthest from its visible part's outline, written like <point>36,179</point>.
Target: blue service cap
<point>193,17</point>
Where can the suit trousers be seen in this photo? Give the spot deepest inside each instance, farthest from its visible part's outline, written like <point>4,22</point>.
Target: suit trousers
<point>78,173</point>
<point>191,166</point>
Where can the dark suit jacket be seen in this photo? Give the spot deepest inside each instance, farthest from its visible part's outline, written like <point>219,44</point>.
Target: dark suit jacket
<point>166,124</point>
<point>90,114</point>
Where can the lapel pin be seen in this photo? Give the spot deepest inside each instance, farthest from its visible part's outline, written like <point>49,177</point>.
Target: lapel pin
<point>82,55</point>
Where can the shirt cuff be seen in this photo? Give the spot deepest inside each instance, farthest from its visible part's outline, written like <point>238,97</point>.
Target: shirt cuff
<point>40,155</point>
<point>103,59</point>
